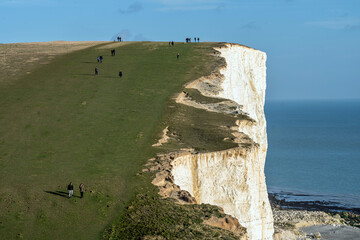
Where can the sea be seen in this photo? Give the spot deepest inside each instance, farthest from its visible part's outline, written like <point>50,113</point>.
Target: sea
<point>314,151</point>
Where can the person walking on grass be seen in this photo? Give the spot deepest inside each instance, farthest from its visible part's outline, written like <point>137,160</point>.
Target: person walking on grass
<point>70,188</point>
<point>96,71</point>
<point>82,190</point>
<point>178,56</point>
<point>120,74</point>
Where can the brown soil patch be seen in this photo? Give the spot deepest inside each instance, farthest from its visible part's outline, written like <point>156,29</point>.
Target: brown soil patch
<point>164,138</point>
<point>114,45</point>
<point>18,59</point>
<point>228,223</point>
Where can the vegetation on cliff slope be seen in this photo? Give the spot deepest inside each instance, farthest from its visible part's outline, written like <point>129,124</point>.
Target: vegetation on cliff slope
<point>61,123</point>
<point>150,216</point>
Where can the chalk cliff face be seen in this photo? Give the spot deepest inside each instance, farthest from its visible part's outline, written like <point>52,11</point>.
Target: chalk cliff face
<point>234,179</point>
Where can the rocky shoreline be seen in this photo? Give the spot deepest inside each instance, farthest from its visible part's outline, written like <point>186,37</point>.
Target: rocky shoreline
<point>325,206</point>
<point>313,220</point>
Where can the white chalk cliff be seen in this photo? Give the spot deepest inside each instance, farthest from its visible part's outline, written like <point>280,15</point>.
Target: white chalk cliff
<point>234,179</point>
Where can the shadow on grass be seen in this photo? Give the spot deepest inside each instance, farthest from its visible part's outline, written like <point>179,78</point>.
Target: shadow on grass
<point>98,76</point>
<point>60,194</point>
<point>85,74</point>
<point>109,77</point>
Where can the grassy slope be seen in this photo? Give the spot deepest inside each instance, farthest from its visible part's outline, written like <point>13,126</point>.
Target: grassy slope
<point>19,59</point>
<point>49,136</point>
<point>150,217</point>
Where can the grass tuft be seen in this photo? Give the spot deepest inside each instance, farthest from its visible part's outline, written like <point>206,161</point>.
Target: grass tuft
<point>151,216</point>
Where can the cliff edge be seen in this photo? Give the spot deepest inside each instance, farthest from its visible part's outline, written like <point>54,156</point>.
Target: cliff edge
<point>232,179</point>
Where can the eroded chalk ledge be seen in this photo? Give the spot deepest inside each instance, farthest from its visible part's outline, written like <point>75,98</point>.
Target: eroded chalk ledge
<point>232,178</point>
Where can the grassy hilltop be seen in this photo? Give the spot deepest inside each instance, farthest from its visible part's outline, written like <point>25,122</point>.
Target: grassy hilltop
<point>60,123</point>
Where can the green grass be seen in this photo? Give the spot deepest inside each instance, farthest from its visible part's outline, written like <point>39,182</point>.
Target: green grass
<point>152,216</point>
<point>195,95</point>
<point>199,129</point>
<point>61,123</point>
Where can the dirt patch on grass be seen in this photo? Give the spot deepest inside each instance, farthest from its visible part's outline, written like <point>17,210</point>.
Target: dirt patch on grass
<point>164,138</point>
<point>115,45</point>
<point>226,106</point>
<point>228,223</point>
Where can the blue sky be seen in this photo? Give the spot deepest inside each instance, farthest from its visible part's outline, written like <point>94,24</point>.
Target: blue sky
<point>313,46</point>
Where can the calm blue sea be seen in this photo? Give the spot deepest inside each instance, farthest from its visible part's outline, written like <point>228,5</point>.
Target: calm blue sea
<point>314,150</point>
